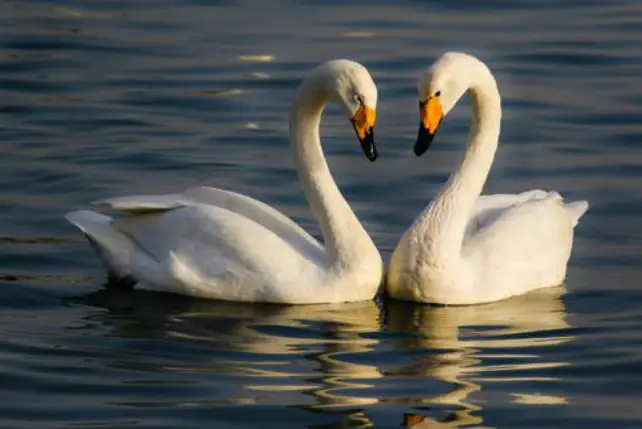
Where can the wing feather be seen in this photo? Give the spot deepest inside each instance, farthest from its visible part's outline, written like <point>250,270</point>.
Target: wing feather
<point>240,204</point>
<point>216,252</point>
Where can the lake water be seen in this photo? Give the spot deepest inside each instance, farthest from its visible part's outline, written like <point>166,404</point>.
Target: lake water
<point>107,98</point>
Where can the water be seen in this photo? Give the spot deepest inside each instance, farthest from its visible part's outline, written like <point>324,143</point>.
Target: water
<point>112,98</point>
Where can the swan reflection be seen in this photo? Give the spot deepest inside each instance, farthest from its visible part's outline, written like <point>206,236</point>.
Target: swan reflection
<point>296,351</point>
<point>343,359</point>
<point>469,340</point>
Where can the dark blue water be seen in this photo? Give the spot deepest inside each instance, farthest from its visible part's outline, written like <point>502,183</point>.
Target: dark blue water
<point>107,98</point>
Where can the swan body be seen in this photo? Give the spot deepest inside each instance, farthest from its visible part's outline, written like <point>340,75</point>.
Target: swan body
<point>212,243</point>
<point>466,249</point>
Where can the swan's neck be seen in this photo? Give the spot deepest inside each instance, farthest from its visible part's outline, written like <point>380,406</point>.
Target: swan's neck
<point>345,239</point>
<point>451,211</point>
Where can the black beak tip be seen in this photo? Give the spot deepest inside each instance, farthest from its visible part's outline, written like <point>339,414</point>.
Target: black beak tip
<point>371,152</point>
<point>368,146</point>
<point>420,149</point>
<point>424,140</point>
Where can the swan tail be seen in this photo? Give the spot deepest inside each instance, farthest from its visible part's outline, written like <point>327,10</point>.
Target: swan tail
<point>114,248</point>
<point>577,209</point>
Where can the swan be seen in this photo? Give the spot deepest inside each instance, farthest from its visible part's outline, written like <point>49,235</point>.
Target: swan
<point>463,248</point>
<point>212,243</point>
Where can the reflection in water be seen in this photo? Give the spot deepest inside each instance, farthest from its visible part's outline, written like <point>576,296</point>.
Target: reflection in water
<point>329,357</point>
<point>293,350</point>
<point>104,98</point>
<point>469,339</point>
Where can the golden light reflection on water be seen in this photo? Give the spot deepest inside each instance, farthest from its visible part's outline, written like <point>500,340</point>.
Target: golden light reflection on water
<point>344,325</point>
<point>333,357</point>
<point>472,336</point>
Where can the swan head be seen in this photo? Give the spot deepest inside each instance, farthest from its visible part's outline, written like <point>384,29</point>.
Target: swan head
<point>350,85</point>
<point>445,82</point>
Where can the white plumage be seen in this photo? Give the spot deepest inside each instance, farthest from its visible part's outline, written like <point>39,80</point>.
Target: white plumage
<point>212,243</point>
<point>467,249</point>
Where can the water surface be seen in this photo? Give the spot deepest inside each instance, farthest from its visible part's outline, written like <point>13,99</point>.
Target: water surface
<point>111,98</point>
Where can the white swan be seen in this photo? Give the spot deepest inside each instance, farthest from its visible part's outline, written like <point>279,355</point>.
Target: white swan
<point>212,243</point>
<point>467,249</point>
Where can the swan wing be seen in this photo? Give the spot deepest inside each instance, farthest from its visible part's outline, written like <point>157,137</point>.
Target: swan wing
<point>206,251</point>
<point>254,209</point>
<point>143,204</point>
<point>490,207</point>
<point>527,243</point>
<point>241,204</point>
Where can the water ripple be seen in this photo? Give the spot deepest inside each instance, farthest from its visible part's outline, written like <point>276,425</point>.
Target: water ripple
<point>110,98</point>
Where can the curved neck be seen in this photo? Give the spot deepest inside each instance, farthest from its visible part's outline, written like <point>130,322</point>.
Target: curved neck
<point>451,211</point>
<point>343,235</point>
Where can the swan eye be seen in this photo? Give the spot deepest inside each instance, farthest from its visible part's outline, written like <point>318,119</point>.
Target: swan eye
<point>437,94</point>
<point>359,99</point>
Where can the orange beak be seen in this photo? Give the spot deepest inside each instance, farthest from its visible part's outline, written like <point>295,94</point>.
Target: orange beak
<point>363,122</point>
<point>430,115</point>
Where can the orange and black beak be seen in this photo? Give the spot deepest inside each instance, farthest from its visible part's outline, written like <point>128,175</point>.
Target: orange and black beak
<point>430,115</point>
<point>363,122</point>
